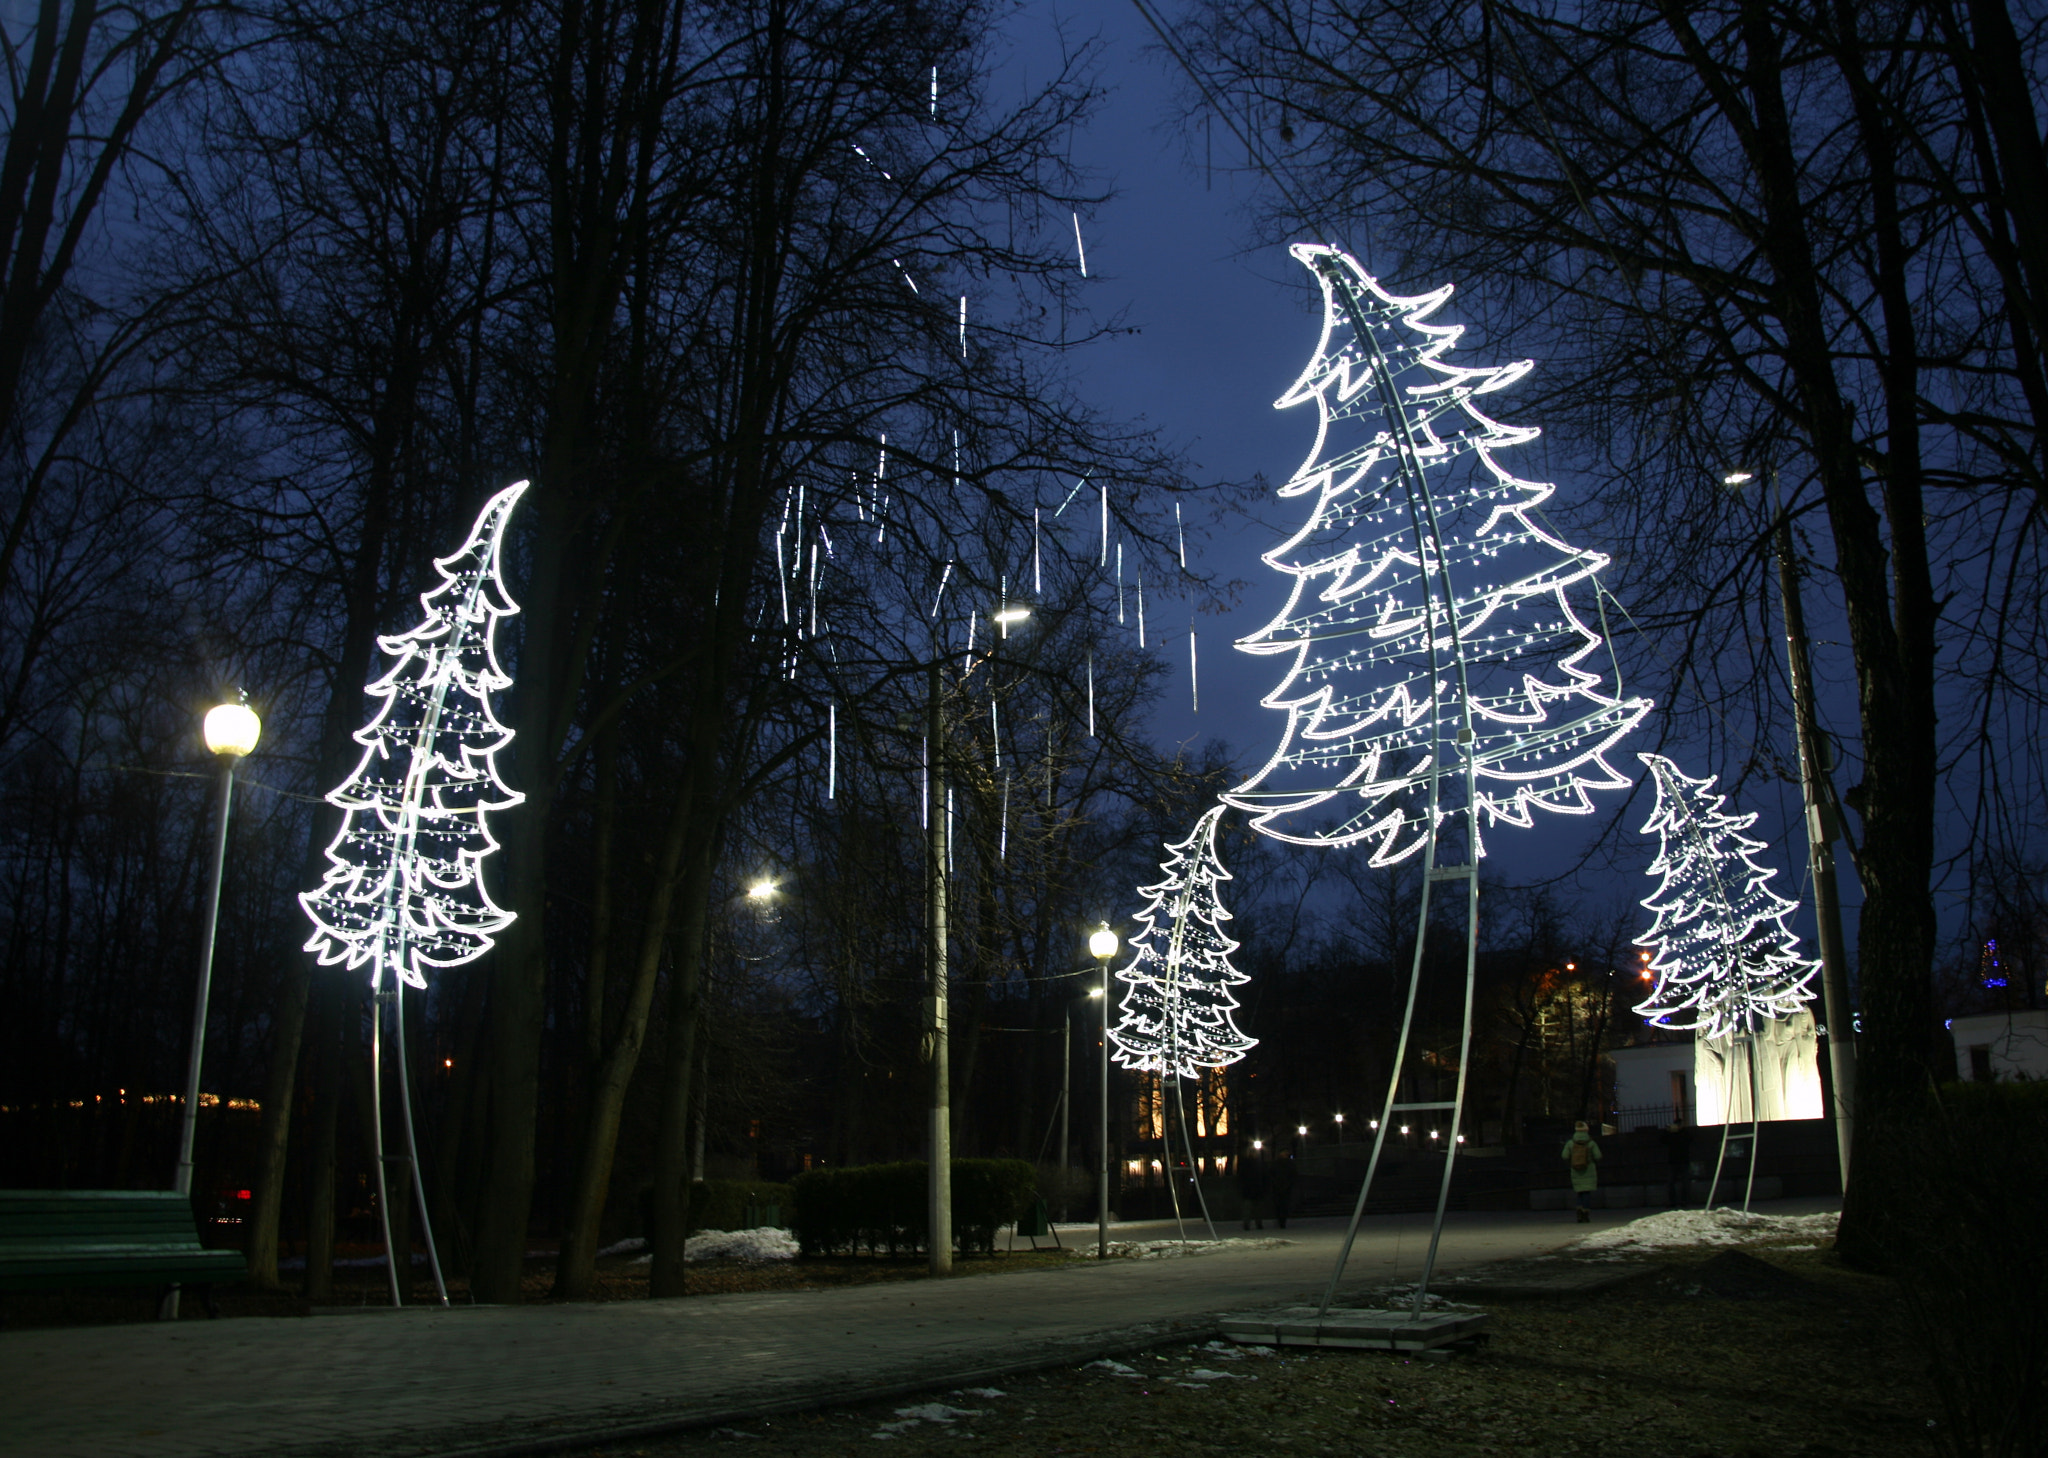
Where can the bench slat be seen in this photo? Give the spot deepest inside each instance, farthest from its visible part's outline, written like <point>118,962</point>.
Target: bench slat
<point>56,1238</point>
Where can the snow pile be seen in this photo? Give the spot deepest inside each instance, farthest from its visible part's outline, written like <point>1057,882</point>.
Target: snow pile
<point>925,1412</point>
<point>1220,1351</point>
<point>1210,1374</point>
<point>1113,1368</point>
<point>1160,1250</point>
<point>1677,1229</point>
<point>764,1244</point>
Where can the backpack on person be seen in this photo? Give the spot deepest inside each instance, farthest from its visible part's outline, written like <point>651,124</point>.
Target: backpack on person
<point>1582,1154</point>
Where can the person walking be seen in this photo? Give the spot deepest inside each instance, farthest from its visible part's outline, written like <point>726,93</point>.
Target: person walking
<point>1251,1188</point>
<point>1282,1186</point>
<point>1677,1141</point>
<point>1582,1157</point>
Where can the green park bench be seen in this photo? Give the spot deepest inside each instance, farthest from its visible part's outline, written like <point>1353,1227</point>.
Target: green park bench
<point>56,1239</point>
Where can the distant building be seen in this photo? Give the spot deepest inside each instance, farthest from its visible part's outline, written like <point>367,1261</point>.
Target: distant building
<point>1991,1047</point>
<point>1707,1079</point>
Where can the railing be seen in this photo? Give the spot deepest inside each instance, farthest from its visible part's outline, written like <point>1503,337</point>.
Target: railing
<point>1649,1116</point>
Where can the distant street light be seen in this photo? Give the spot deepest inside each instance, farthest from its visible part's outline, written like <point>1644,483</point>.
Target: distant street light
<point>1102,946</point>
<point>1340,1128</point>
<point>230,731</point>
<point>761,890</point>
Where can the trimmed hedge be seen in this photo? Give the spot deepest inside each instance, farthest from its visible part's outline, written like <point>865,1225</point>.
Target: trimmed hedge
<point>723,1204</point>
<point>881,1207</point>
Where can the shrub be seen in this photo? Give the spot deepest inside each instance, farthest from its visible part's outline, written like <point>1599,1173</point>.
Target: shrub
<point>1964,1180</point>
<point>881,1207</point>
<point>724,1204</point>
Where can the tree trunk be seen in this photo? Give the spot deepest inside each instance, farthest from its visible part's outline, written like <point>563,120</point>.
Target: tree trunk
<point>671,1205</point>
<point>576,1273</point>
<point>320,1183</point>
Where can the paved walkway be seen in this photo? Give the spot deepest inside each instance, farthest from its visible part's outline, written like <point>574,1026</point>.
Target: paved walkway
<point>501,1380</point>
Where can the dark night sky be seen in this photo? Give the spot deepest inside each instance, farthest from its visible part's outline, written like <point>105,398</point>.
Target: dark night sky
<point>1223,328</point>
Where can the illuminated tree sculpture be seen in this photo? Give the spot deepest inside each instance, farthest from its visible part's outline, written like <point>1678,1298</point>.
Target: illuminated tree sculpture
<point>404,888</point>
<point>1428,600</point>
<point>403,891</point>
<point>1721,953</point>
<point>1176,1016</point>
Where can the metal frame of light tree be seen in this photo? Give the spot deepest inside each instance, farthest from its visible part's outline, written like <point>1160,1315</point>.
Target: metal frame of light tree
<point>1451,389</point>
<point>1172,1061</point>
<point>1677,793</point>
<point>390,911</point>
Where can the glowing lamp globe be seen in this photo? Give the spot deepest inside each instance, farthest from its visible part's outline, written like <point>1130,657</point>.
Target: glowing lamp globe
<point>760,891</point>
<point>1102,943</point>
<point>232,729</point>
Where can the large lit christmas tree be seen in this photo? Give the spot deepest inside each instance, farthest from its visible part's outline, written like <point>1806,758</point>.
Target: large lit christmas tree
<point>1176,1016</point>
<point>1721,953</point>
<point>1426,596</point>
<point>403,891</point>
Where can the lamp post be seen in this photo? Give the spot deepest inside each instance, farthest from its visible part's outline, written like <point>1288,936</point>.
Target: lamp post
<point>1066,1098</point>
<point>230,731</point>
<point>1821,829</point>
<point>1102,946</point>
<point>1340,1130</point>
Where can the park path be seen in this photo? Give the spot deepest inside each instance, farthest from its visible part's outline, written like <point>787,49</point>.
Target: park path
<point>496,1380</point>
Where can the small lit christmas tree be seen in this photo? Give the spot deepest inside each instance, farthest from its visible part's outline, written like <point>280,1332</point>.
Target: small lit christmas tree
<point>403,891</point>
<point>1721,952</point>
<point>1176,1016</point>
<point>1425,587</point>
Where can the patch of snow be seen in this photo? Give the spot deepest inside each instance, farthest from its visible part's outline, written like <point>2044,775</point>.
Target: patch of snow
<point>979,1392</point>
<point>1163,1250</point>
<point>1115,1369</point>
<point>1679,1229</point>
<point>1210,1374</point>
<point>623,1247</point>
<point>764,1244</point>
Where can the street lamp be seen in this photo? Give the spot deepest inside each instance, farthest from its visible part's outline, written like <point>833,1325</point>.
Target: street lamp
<point>1821,830</point>
<point>1067,1099</point>
<point>1340,1128</point>
<point>1102,946</point>
<point>230,731</point>
<point>761,890</point>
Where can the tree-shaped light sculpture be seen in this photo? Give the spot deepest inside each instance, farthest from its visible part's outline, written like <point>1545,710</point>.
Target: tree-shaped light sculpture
<point>404,893</point>
<point>1429,627</point>
<point>1440,679</point>
<point>1721,953</point>
<point>1176,1016</point>
<point>1722,956</point>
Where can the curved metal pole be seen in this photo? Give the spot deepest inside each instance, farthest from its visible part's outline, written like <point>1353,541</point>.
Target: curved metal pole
<point>1434,579</point>
<point>1194,1169</point>
<point>1756,1113</point>
<point>412,1148</point>
<point>377,997</point>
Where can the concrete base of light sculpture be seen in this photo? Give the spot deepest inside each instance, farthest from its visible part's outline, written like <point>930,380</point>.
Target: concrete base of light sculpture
<point>1386,1331</point>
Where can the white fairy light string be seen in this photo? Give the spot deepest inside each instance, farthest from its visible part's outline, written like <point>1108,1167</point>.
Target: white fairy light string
<point>1430,627</point>
<point>1721,952</point>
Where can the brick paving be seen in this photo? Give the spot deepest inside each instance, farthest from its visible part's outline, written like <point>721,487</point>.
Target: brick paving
<point>504,1380</point>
